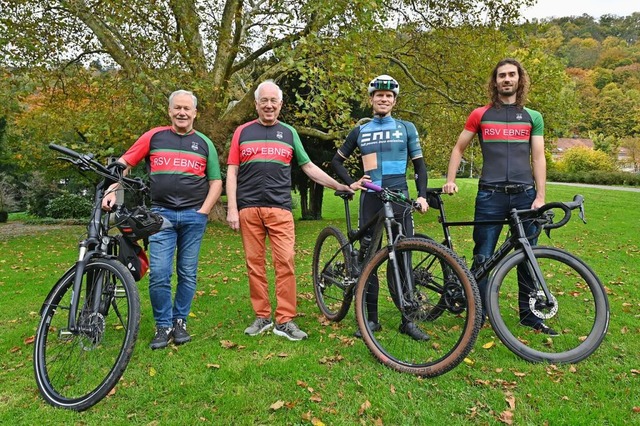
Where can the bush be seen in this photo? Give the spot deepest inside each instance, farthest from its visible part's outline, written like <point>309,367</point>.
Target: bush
<point>595,177</point>
<point>69,206</point>
<point>583,159</point>
<point>40,191</point>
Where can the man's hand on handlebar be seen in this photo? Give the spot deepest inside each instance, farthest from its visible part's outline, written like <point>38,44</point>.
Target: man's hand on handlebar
<point>450,188</point>
<point>422,202</point>
<point>358,185</point>
<point>109,200</point>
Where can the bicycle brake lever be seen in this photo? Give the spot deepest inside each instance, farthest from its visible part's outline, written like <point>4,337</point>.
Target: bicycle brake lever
<point>581,213</point>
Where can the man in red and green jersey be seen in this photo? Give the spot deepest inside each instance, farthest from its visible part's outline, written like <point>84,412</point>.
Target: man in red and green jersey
<point>259,205</point>
<point>185,183</point>
<point>513,171</point>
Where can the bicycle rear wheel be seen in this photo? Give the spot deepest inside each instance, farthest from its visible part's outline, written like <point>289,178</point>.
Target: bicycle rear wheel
<point>332,283</point>
<point>580,313</point>
<point>452,333</point>
<point>75,370</point>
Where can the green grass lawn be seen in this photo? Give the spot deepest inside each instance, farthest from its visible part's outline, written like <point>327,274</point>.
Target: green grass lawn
<point>224,377</point>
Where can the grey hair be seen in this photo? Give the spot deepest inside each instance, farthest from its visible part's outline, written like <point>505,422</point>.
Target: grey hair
<point>264,83</point>
<point>183,92</point>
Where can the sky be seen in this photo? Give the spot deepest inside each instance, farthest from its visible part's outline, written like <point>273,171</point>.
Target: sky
<point>595,8</point>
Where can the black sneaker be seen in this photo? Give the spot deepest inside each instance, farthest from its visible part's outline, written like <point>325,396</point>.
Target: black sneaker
<point>180,334</point>
<point>374,326</point>
<point>161,339</point>
<point>413,331</point>
<point>543,328</point>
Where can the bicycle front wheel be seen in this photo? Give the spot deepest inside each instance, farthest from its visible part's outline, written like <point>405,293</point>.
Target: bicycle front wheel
<point>426,269</point>
<point>76,369</point>
<point>579,311</point>
<point>332,282</point>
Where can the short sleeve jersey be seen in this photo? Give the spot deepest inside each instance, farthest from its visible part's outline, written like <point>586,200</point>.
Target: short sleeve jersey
<point>505,139</point>
<point>386,145</point>
<point>264,155</point>
<point>179,166</point>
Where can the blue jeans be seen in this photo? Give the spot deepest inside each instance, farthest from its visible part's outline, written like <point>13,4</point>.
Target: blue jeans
<point>183,236</point>
<point>492,205</point>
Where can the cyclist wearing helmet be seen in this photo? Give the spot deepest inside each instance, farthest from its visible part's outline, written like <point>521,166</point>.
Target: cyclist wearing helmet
<point>386,143</point>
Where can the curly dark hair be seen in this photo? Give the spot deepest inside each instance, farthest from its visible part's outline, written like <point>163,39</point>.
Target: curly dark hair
<point>523,83</point>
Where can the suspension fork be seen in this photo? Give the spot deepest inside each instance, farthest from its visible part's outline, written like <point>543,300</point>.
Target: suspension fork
<point>396,264</point>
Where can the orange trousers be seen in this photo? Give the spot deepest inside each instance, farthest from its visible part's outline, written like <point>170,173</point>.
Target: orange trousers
<point>256,223</point>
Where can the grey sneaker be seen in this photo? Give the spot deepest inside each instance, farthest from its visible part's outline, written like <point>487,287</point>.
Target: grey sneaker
<point>289,330</point>
<point>180,334</point>
<point>161,339</point>
<point>260,325</point>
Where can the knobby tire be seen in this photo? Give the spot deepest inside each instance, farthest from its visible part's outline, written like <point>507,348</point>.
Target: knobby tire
<point>452,333</point>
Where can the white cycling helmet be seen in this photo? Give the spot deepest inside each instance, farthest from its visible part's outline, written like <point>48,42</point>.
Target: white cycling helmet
<point>384,82</point>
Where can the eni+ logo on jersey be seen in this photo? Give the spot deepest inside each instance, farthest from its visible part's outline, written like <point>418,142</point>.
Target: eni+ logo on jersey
<point>382,136</point>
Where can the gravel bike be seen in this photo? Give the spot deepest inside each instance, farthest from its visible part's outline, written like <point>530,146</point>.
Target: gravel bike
<point>406,270</point>
<point>89,320</point>
<point>554,285</point>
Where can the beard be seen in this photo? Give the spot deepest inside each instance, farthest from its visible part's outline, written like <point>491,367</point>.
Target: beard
<point>507,91</point>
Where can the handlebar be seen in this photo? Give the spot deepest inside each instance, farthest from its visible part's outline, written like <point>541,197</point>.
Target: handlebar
<point>566,207</point>
<point>387,194</point>
<point>434,197</point>
<point>86,162</point>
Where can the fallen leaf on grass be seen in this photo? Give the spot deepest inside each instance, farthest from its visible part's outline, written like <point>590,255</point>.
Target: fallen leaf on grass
<point>315,398</point>
<point>506,417</point>
<point>489,345</point>
<point>469,361</point>
<point>112,392</point>
<point>364,407</point>
<point>277,405</point>
<point>29,340</point>
<point>213,365</point>
<point>511,400</point>
<point>636,409</point>
<point>228,344</point>
<point>317,422</point>
<point>152,371</point>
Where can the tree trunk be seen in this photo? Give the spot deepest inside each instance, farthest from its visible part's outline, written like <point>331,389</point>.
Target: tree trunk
<point>219,212</point>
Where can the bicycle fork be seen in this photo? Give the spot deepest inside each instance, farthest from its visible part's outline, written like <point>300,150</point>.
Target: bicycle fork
<point>400,287</point>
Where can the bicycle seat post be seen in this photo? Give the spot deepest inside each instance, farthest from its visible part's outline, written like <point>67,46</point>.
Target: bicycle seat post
<point>347,215</point>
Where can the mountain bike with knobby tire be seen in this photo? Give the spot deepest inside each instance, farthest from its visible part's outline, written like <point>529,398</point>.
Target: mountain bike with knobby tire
<point>89,320</point>
<point>400,271</point>
<point>531,285</point>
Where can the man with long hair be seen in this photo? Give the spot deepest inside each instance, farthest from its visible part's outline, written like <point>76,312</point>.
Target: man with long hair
<point>513,171</point>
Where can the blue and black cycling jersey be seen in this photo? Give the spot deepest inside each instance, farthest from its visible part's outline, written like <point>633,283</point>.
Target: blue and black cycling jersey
<point>386,144</point>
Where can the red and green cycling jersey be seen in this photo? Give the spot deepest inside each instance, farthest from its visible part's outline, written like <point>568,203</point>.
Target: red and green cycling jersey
<point>505,139</point>
<point>179,166</point>
<point>264,155</point>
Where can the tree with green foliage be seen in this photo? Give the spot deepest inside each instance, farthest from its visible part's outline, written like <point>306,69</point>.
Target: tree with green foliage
<point>103,69</point>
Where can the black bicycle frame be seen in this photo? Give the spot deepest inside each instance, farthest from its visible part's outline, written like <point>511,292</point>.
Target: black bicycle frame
<point>519,240</point>
<point>87,249</point>
<point>384,217</point>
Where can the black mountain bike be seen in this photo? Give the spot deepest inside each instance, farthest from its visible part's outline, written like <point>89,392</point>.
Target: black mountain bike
<point>407,269</point>
<point>556,286</point>
<point>89,321</point>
